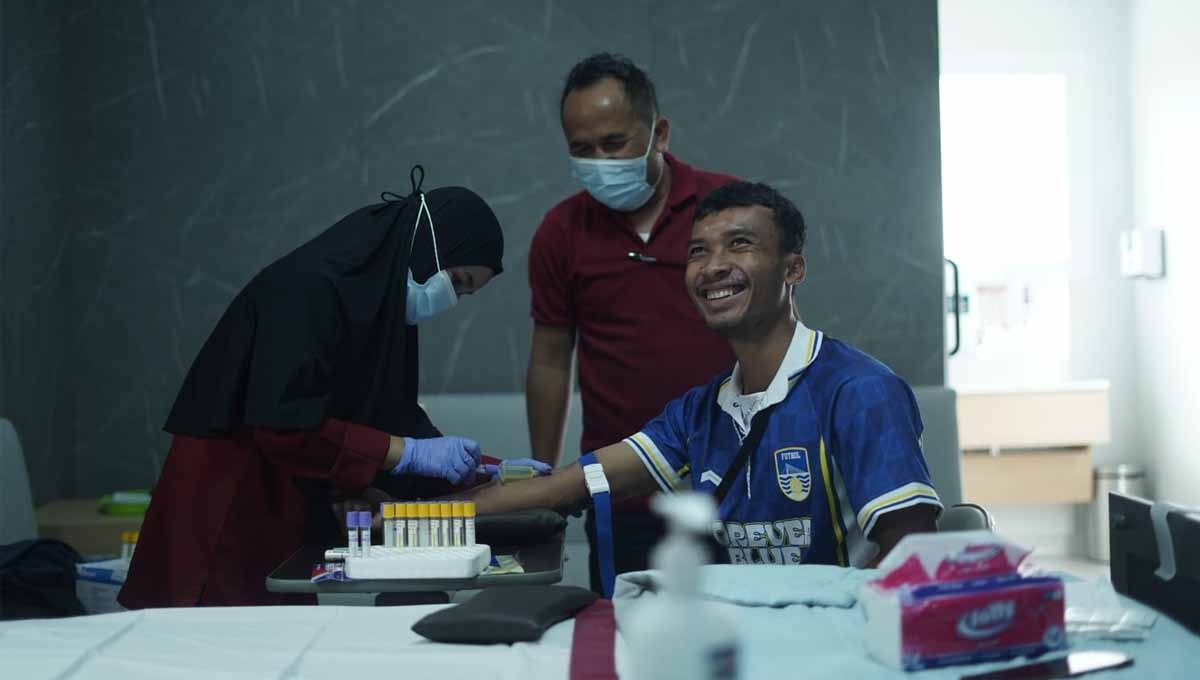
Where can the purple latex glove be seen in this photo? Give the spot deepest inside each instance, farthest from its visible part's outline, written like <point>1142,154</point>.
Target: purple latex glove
<point>493,471</point>
<point>453,459</point>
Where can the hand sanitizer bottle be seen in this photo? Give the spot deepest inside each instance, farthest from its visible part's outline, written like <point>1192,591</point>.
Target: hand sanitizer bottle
<point>674,634</point>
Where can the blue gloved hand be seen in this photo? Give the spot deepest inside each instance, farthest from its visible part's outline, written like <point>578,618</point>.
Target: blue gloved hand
<point>495,471</point>
<point>453,459</point>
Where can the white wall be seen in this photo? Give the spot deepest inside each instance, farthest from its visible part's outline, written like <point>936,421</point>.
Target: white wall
<point>1165,57</point>
<point>1087,40</point>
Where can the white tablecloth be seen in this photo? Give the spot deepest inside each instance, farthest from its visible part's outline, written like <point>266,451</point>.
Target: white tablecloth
<point>794,621</point>
<point>323,643</point>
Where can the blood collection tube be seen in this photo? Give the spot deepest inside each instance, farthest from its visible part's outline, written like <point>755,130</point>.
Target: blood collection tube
<point>352,534</point>
<point>423,539</point>
<point>410,511</point>
<point>399,525</point>
<point>440,531</point>
<point>456,524</point>
<point>364,532</point>
<point>447,537</point>
<point>435,521</point>
<point>511,472</point>
<point>469,522</point>
<point>402,524</point>
<point>389,524</point>
<point>437,526</point>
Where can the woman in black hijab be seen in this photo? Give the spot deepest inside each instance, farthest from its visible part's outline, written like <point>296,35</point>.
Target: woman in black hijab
<point>307,387</point>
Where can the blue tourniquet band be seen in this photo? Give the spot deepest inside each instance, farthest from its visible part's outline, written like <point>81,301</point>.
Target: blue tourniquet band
<point>602,506</point>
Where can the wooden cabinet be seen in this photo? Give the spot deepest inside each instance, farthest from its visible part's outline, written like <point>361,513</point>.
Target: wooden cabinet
<point>1031,446</point>
<point>79,523</point>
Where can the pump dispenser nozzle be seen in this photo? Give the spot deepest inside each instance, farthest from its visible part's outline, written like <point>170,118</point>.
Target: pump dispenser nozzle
<point>689,516</point>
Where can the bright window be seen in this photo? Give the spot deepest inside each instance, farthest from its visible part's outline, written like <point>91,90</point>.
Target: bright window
<point>1006,217</point>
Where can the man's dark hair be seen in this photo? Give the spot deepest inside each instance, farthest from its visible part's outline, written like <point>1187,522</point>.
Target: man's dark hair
<point>746,194</point>
<point>637,84</point>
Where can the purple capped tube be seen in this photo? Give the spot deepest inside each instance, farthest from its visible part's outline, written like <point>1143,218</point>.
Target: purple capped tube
<point>364,532</point>
<point>352,533</point>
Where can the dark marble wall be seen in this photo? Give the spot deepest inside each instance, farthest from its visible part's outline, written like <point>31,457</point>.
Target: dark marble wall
<point>202,140</point>
<point>35,319</point>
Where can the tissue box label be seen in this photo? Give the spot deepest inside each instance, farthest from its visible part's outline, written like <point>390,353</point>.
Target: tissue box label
<point>971,621</point>
<point>987,621</point>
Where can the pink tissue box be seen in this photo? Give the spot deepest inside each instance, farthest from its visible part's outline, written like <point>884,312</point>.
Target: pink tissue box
<point>976,608</point>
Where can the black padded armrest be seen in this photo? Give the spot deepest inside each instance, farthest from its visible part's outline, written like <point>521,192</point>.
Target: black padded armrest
<point>504,528</point>
<point>505,615</point>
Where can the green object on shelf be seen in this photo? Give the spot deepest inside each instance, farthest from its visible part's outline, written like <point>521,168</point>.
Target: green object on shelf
<point>125,503</point>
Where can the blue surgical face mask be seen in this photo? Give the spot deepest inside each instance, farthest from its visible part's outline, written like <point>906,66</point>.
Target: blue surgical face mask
<point>619,183</point>
<point>426,300</point>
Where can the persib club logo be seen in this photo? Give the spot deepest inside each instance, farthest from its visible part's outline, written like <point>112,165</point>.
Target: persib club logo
<point>792,472</point>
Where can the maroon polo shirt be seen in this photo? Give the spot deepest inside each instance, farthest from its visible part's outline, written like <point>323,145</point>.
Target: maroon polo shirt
<point>640,341</point>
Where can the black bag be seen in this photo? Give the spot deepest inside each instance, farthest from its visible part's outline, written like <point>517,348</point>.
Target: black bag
<point>523,526</point>
<point>37,580</point>
<point>505,614</point>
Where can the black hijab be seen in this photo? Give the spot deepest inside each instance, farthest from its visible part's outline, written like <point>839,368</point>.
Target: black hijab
<point>321,333</point>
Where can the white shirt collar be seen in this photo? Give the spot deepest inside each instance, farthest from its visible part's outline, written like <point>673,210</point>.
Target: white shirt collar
<point>742,408</point>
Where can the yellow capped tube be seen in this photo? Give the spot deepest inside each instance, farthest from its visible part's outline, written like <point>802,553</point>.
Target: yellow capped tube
<point>442,525</point>
<point>469,522</point>
<point>389,524</point>
<point>435,525</point>
<point>410,518</point>
<point>399,525</point>
<point>456,524</point>
<point>424,538</point>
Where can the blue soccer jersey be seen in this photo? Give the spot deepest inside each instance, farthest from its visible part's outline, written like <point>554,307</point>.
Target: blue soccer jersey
<point>841,449</point>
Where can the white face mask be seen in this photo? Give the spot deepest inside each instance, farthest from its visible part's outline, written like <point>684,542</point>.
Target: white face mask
<point>426,300</point>
<point>619,183</point>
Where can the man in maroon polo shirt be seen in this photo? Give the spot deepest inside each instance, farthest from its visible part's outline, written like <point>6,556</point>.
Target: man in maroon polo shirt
<point>606,271</point>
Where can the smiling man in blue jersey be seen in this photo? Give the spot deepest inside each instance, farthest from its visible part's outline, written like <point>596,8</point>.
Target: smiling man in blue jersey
<point>833,471</point>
